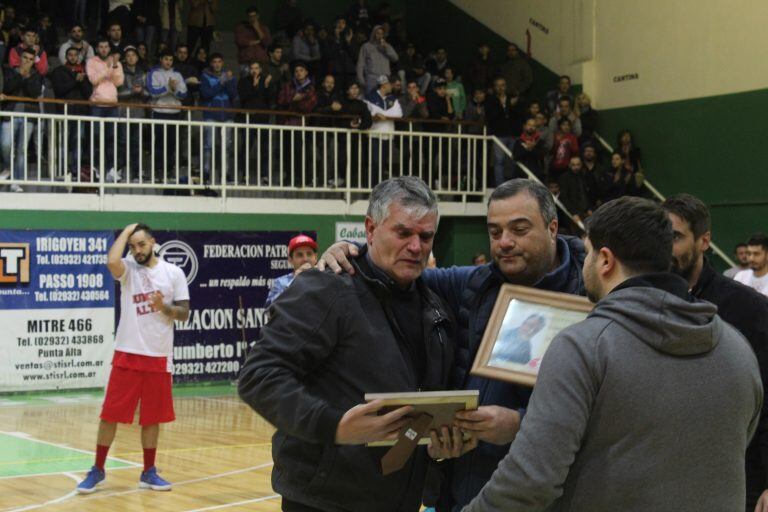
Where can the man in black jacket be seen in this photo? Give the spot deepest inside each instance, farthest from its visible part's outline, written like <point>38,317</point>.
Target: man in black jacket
<point>739,305</point>
<point>504,116</point>
<point>71,83</point>
<point>331,339</point>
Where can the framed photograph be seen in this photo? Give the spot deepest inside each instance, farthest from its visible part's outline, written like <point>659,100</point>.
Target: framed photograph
<point>441,405</point>
<point>523,323</point>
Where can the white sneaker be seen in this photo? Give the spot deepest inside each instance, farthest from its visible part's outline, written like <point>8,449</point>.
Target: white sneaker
<point>16,188</point>
<point>5,174</point>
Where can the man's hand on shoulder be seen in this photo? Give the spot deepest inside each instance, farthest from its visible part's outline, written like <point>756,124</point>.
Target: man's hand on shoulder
<point>336,257</point>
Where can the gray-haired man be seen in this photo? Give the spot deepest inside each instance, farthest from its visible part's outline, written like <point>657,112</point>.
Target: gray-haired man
<point>333,338</point>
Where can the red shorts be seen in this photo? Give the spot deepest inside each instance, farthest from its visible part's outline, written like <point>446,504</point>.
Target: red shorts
<point>127,387</point>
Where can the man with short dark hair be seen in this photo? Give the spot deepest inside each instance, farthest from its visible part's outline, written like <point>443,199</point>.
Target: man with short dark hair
<point>29,41</point>
<point>565,111</point>
<point>757,275</point>
<point>739,305</point>
<point>302,255</point>
<point>333,338</point>
<point>153,294</point>
<point>563,91</point>
<point>504,116</point>
<point>105,73</point>
<point>167,88</point>
<point>76,40</point>
<point>529,150</point>
<point>630,402</point>
<point>526,250</point>
<point>252,38</point>
<point>482,70</point>
<point>516,71</point>
<point>115,37</point>
<point>573,190</point>
<point>71,83</point>
<point>741,254</point>
<point>188,72</point>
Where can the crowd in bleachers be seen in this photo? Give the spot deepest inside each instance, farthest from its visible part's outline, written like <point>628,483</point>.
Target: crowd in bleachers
<point>362,70</point>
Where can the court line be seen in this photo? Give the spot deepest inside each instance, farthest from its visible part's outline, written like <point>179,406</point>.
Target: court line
<point>227,505</point>
<point>28,475</point>
<point>23,435</point>
<point>185,482</point>
<point>50,502</point>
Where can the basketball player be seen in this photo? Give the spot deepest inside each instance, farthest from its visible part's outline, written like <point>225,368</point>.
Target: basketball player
<point>153,293</point>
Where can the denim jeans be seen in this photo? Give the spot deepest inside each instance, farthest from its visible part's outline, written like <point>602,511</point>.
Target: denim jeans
<point>211,138</point>
<point>16,133</point>
<point>500,159</point>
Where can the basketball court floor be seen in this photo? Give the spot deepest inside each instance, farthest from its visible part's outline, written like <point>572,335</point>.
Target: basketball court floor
<point>217,454</point>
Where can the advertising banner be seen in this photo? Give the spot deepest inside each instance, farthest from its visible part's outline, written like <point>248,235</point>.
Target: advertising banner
<point>56,309</point>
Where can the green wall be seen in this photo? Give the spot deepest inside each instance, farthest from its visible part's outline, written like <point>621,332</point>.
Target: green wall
<point>709,147</point>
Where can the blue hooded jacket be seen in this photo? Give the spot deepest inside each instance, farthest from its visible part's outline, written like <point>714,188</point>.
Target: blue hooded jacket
<point>214,93</point>
<point>471,294</point>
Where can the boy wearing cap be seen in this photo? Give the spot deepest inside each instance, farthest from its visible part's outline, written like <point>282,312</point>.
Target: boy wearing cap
<point>302,255</point>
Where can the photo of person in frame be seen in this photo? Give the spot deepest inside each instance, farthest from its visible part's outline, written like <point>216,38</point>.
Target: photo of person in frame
<point>514,344</point>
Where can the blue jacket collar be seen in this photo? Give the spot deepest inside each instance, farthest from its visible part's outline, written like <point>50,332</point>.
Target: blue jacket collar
<point>559,279</point>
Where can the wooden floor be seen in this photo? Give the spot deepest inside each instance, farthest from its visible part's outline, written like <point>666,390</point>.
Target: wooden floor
<point>216,453</point>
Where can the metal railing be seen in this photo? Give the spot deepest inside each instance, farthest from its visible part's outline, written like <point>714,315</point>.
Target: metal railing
<point>113,150</point>
<point>653,190</point>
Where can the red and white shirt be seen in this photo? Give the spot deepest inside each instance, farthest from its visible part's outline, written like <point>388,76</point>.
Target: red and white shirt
<point>144,331</point>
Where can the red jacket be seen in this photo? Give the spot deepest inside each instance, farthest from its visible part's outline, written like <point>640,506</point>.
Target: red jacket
<point>41,60</point>
<point>566,146</point>
<point>303,106</point>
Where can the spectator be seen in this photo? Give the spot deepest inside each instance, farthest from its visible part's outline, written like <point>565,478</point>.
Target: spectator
<point>565,147</point>
<point>115,35</point>
<point>147,20</point>
<point>547,136</point>
<point>71,83</point>
<point>534,108</point>
<point>573,191</point>
<point>298,96</point>
<point>201,60</point>
<point>21,81</point>
<point>252,38</point>
<point>133,90</point>
<point>328,101</point>
<point>438,63</point>
<point>625,145</point>
<point>618,180</point>
<point>355,106</point>
<point>11,28</point>
<point>170,21</point>
<point>565,111</point>
<point>503,113</point>
<point>563,91</point>
<point>587,117</point>
<point>288,19</point>
<point>325,51</point>
<point>479,258</point>
<point>201,22</point>
<point>455,91</point>
<point>167,88</point>
<point>253,90</point>
<point>420,76</point>
<point>188,72</point>
<point>306,48</point>
<point>481,69</point>
<point>85,50</point>
<point>342,60</point>
<point>218,90</point>
<point>278,70</point>
<point>756,277</point>
<point>412,103</point>
<point>440,106</point>
<point>529,150</point>
<point>516,71</point>
<point>405,62</point>
<point>29,41</point>
<point>105,74</point>
<point>302,255</point>
<point>358,15</point>
<point>593,173</point>
<point>145,62</point>
<point>383,106</point>
<point>475,111</point>
<point>741,254</point>
<point>374,59</point>
<point>47,34</point>
<point>121,13</point>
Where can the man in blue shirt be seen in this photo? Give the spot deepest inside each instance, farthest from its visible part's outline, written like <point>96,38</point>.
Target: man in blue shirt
<point>302,255</point>
<point>526,249</point>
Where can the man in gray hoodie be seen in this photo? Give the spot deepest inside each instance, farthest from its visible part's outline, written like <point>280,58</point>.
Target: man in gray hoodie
<point>374,59</point>
<point>648,404</point>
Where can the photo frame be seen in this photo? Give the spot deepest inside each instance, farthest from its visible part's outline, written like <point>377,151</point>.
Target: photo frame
<point>522,325</point>
<point>441,405</point>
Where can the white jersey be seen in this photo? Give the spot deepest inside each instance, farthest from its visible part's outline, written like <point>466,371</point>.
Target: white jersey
<point>142,330</point>
<point>748,278</point>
